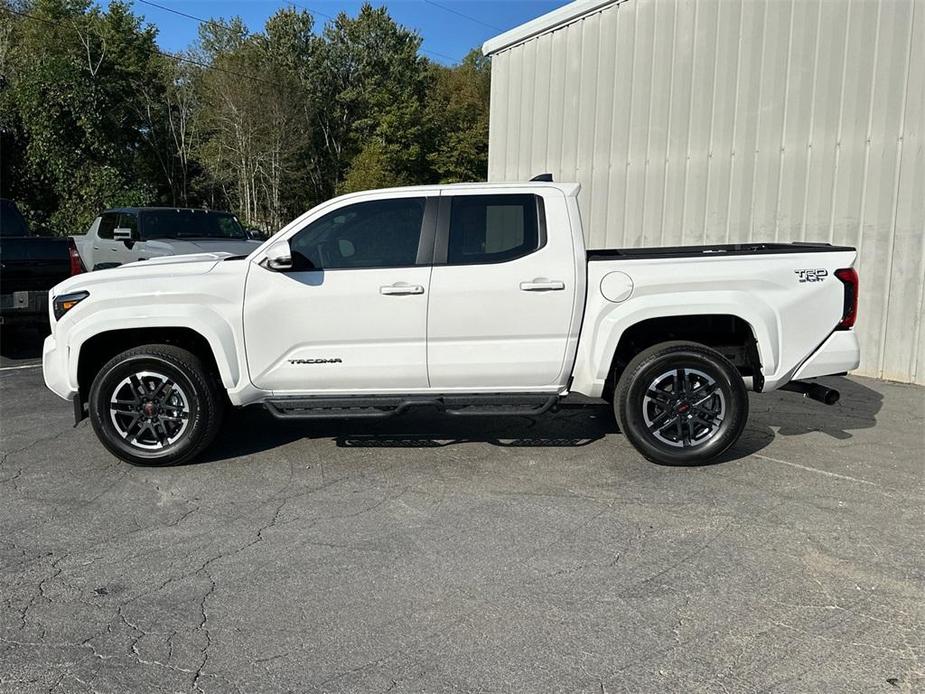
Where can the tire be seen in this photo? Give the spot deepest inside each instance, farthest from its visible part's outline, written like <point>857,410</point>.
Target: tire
<point>666,425</point>
<point>175,419</point>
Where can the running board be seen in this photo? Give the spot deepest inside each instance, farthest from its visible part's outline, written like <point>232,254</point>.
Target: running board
<point>381,406</point>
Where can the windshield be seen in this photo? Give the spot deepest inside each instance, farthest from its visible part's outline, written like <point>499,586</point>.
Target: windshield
<point>190,224</point>
<point>11,222</point>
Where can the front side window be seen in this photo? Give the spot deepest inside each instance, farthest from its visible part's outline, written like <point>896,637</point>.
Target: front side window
<point>378,233</point>
<point>107,225</point>
<point>492,228</point>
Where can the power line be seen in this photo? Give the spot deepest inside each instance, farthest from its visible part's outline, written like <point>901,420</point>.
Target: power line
<point>303,7</point>
<point>165,54</point>
<point>465,16</point>
<point>183,14</point>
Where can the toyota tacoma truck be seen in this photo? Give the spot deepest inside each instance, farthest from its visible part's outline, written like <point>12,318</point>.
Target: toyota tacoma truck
<point>474,299</point>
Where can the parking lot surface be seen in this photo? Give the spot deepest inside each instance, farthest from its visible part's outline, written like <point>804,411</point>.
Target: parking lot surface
<point>431,554</point>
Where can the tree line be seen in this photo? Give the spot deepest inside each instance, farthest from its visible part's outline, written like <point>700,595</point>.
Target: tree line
<point>265,123</point>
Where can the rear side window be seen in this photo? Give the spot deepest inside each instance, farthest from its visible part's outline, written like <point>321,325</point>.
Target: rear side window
<point>108,222</point>
<point>492,228</point>
<point>374,234</point>
<point>129,221</point>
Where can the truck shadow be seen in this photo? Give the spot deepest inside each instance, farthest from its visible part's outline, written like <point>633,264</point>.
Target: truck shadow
<point>793,415</point>
<point>252,430</point>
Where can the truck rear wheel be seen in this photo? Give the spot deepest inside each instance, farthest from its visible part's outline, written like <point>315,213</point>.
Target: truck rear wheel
<point>681,403</point>
<point>155,405</point>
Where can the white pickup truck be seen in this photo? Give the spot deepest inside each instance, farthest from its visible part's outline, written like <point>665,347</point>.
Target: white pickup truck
<point>475,299</point>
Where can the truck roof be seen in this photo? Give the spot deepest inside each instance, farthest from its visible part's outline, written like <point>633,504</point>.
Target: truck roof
<point>566,188</point>
<point>162,209</point>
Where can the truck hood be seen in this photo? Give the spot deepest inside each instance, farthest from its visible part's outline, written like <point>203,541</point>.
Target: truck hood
<point>163,247</point>
<point>135,275</point>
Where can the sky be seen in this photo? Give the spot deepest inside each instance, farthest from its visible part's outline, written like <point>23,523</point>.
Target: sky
<point>449,28</point>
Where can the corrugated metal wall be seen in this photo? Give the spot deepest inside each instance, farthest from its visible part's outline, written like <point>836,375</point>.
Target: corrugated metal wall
<point>712,121</point>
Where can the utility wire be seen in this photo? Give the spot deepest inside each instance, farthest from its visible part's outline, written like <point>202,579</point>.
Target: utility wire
<point>465,16</point>
<point>165,54</point>
<point>303,7</point>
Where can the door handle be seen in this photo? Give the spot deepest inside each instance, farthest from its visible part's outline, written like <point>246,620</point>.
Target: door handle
<point>400,289</point>
<point>541,284</point>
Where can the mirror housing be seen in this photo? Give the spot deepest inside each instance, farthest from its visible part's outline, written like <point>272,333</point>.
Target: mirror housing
<point>278,257</point>
<point>123,234</point>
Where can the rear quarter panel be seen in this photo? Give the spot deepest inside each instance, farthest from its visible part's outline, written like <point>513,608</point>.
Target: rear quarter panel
<point>789,318</point>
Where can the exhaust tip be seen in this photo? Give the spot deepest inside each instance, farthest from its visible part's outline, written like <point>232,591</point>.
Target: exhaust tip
<point>815,391</point>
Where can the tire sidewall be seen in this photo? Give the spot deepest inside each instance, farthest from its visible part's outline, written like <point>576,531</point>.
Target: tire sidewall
<point>102,390</point>
<point>713,364</point>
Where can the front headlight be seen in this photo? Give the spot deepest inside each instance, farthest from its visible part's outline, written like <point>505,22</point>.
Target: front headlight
<point>65,302</point>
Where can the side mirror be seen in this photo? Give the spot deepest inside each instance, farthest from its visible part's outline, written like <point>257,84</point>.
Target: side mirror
<point>279,257</point>
<point>123,234</point>
<point>255,235</point>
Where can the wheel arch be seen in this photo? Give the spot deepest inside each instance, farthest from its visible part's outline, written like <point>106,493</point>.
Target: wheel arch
<point>89,354</point>
<point>728,333</point>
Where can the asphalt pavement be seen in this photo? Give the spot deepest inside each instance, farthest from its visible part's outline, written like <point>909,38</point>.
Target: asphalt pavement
<point>425,554</point>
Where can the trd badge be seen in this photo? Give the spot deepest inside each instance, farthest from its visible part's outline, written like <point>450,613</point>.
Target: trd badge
<point>812,275</point>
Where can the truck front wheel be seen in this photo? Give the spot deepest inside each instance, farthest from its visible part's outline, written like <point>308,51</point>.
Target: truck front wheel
<point>155,405</point>
<point>681,403</point>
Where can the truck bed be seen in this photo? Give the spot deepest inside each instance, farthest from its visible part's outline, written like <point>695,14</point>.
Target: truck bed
<point>667,252</point>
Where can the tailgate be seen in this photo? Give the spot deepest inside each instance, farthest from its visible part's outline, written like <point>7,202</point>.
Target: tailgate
<point>33,263</point>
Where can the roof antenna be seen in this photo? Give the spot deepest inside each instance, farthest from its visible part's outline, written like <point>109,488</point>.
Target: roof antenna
<point>542,178</point>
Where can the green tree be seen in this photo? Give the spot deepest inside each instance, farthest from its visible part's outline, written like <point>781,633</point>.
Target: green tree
<point>372,83</point>
<point>255,123</point>
<point>74,72</point>
<point>458,114</point>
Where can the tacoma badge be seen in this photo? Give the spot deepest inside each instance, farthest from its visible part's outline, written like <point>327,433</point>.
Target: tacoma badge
<point>335,360</point>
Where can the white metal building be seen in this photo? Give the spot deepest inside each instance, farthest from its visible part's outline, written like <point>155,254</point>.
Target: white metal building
<point>713,121</point>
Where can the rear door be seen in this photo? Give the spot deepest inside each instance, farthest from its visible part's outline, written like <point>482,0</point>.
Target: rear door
<point>502,296</point>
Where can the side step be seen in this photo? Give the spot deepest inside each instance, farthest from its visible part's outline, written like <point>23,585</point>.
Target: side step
<point>381,406</point>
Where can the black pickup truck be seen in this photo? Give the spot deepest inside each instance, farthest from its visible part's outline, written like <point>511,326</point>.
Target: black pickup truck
<point>30,265</point>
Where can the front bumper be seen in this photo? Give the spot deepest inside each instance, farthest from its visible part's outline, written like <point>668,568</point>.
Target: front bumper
<point>838,354</point>
<point>55,369</point>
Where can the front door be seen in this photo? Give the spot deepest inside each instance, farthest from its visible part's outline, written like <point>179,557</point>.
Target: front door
<point>350,317</point>
<point>502,298</point>
<point>106,252</point>
<point>129,251</point>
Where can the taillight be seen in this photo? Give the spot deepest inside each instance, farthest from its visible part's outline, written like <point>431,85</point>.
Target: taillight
<point>77,265</point>
<point>849,278</point>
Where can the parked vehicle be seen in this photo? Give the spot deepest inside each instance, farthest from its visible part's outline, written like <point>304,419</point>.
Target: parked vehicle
<point>30,265</point>
<point>475,299</point>
<point>130,234</point>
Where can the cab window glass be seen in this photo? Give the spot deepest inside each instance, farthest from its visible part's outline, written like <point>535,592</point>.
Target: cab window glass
<point>107,224</point>
<point>492,228</point>
<point>129,221</point>
<point>378,233</point>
